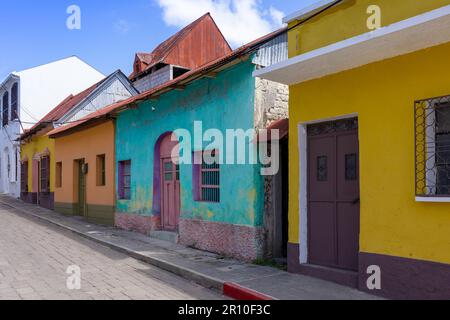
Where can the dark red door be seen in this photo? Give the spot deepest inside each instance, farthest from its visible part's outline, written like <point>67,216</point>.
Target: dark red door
<point>333,197</point>
<point>170,185</point>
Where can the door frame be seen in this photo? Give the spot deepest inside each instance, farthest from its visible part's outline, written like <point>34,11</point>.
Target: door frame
<point>303,182</point>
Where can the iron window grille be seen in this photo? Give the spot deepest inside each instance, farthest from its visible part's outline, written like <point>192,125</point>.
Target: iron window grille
<point>208,178</point>
<point>125,180</point>
<point>432,147</point>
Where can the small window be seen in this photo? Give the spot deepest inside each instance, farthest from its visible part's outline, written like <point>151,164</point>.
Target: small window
<point>208,177</point>
<point>322,168</point>
<point>125,180</point>
<point>5,112</point>
<point>58,181</point>
<point>101,170</point>
<point>14,102</point>
<point>351,167</point>
<point>45,174</point>
<point>433,147</point>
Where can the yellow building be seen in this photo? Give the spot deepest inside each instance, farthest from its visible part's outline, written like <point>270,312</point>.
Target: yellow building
<point>369,144</point>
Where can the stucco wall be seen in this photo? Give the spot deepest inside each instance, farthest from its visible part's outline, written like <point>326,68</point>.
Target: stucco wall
<point>350,19</point>
<point>383,95</point>
<point>87,144</point>
<point>224,102</point>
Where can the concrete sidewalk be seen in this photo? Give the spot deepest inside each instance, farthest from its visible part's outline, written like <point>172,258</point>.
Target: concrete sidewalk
<point>207,269</point>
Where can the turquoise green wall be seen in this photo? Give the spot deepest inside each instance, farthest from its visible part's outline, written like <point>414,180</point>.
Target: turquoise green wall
<point>225,102</point>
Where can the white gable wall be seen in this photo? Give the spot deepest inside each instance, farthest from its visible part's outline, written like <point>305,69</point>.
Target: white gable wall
<point>40,90</point>
<point>44,87</point>
<point>115,92</point>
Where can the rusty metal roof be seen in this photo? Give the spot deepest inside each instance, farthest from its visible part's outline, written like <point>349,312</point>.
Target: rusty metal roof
<point>185,79</point>
<point>204,39</point>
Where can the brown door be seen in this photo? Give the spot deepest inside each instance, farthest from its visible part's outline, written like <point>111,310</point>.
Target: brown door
<point>170,184</point>
<point>81,189</point>
<point>333,197</point>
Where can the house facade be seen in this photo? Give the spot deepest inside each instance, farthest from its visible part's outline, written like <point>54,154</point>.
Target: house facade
<point>28,95</point>
<point>159,190</point>
<point>38,160</point>
<point>84,171</point>
<point>369,114</point>
<point>198,204</point>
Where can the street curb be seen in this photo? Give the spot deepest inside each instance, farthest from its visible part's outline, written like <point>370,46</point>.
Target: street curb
<point>238,292</point>
<point>231,290</point>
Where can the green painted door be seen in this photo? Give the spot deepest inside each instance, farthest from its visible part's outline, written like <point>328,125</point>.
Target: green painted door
<point>81,189</point>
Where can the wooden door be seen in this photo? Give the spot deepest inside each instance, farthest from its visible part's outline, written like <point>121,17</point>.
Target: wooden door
<point>333,195</point>
<point>170,194</point>
<point>170,184</point>
<point>81,189</point>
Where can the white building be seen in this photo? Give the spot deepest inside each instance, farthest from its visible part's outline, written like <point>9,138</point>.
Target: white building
<point>25,98</point>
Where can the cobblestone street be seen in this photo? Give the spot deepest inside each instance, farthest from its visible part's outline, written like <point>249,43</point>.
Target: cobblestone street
<point>34,258</point>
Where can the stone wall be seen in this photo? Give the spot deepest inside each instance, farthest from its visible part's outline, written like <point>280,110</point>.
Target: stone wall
<point>271,102</point>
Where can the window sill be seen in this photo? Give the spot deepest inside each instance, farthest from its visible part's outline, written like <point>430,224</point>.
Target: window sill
<point>433,199</point>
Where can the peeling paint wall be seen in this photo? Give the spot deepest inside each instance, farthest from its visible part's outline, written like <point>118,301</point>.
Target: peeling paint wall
<point>226,102</point>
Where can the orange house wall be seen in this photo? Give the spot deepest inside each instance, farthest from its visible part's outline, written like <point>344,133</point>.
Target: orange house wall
<point>87,145</point>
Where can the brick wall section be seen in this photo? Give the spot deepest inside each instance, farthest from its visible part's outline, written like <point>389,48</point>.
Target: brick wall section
<point>239,242</point>
<point>271,102</point>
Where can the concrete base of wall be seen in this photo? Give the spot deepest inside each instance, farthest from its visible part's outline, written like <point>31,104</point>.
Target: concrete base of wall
<point>401,278</point>
<point>47,200</point>
<point>29,197</point>
<point>136,223</point>
<point>240,242</point>
<point>99,214</point>
<point>68,209</point>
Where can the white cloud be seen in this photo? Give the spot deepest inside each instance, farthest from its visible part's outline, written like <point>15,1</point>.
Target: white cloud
<point>122,26</point>
<point>241,21</point>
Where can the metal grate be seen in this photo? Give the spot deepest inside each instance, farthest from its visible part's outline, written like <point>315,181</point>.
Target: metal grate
<point>210,182</point>
<point>432,146</point>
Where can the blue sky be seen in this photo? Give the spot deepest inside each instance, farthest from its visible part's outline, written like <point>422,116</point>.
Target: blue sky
<point>112,31</point>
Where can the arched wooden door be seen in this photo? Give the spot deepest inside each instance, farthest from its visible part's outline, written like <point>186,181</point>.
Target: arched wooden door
<point>170,184</point>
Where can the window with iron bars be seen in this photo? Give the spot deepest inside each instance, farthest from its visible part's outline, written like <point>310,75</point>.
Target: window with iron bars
<point>432,129</point>
<point>207,184</point>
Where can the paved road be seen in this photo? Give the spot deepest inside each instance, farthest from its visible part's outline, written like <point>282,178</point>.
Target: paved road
<point>34,258</point>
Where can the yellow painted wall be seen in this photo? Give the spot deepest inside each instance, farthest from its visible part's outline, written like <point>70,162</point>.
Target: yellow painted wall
<point>87,144</point>
<point>350,19</point>
<point>383,95</point>
<point>38,145</point>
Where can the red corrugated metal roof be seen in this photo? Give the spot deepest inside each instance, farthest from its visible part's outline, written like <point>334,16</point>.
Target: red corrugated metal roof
<point>184,80</point>
<point>171,50</point>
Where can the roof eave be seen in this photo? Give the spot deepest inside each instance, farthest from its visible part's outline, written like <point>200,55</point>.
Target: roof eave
<point>310,10</point>
<point>429,29</point>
